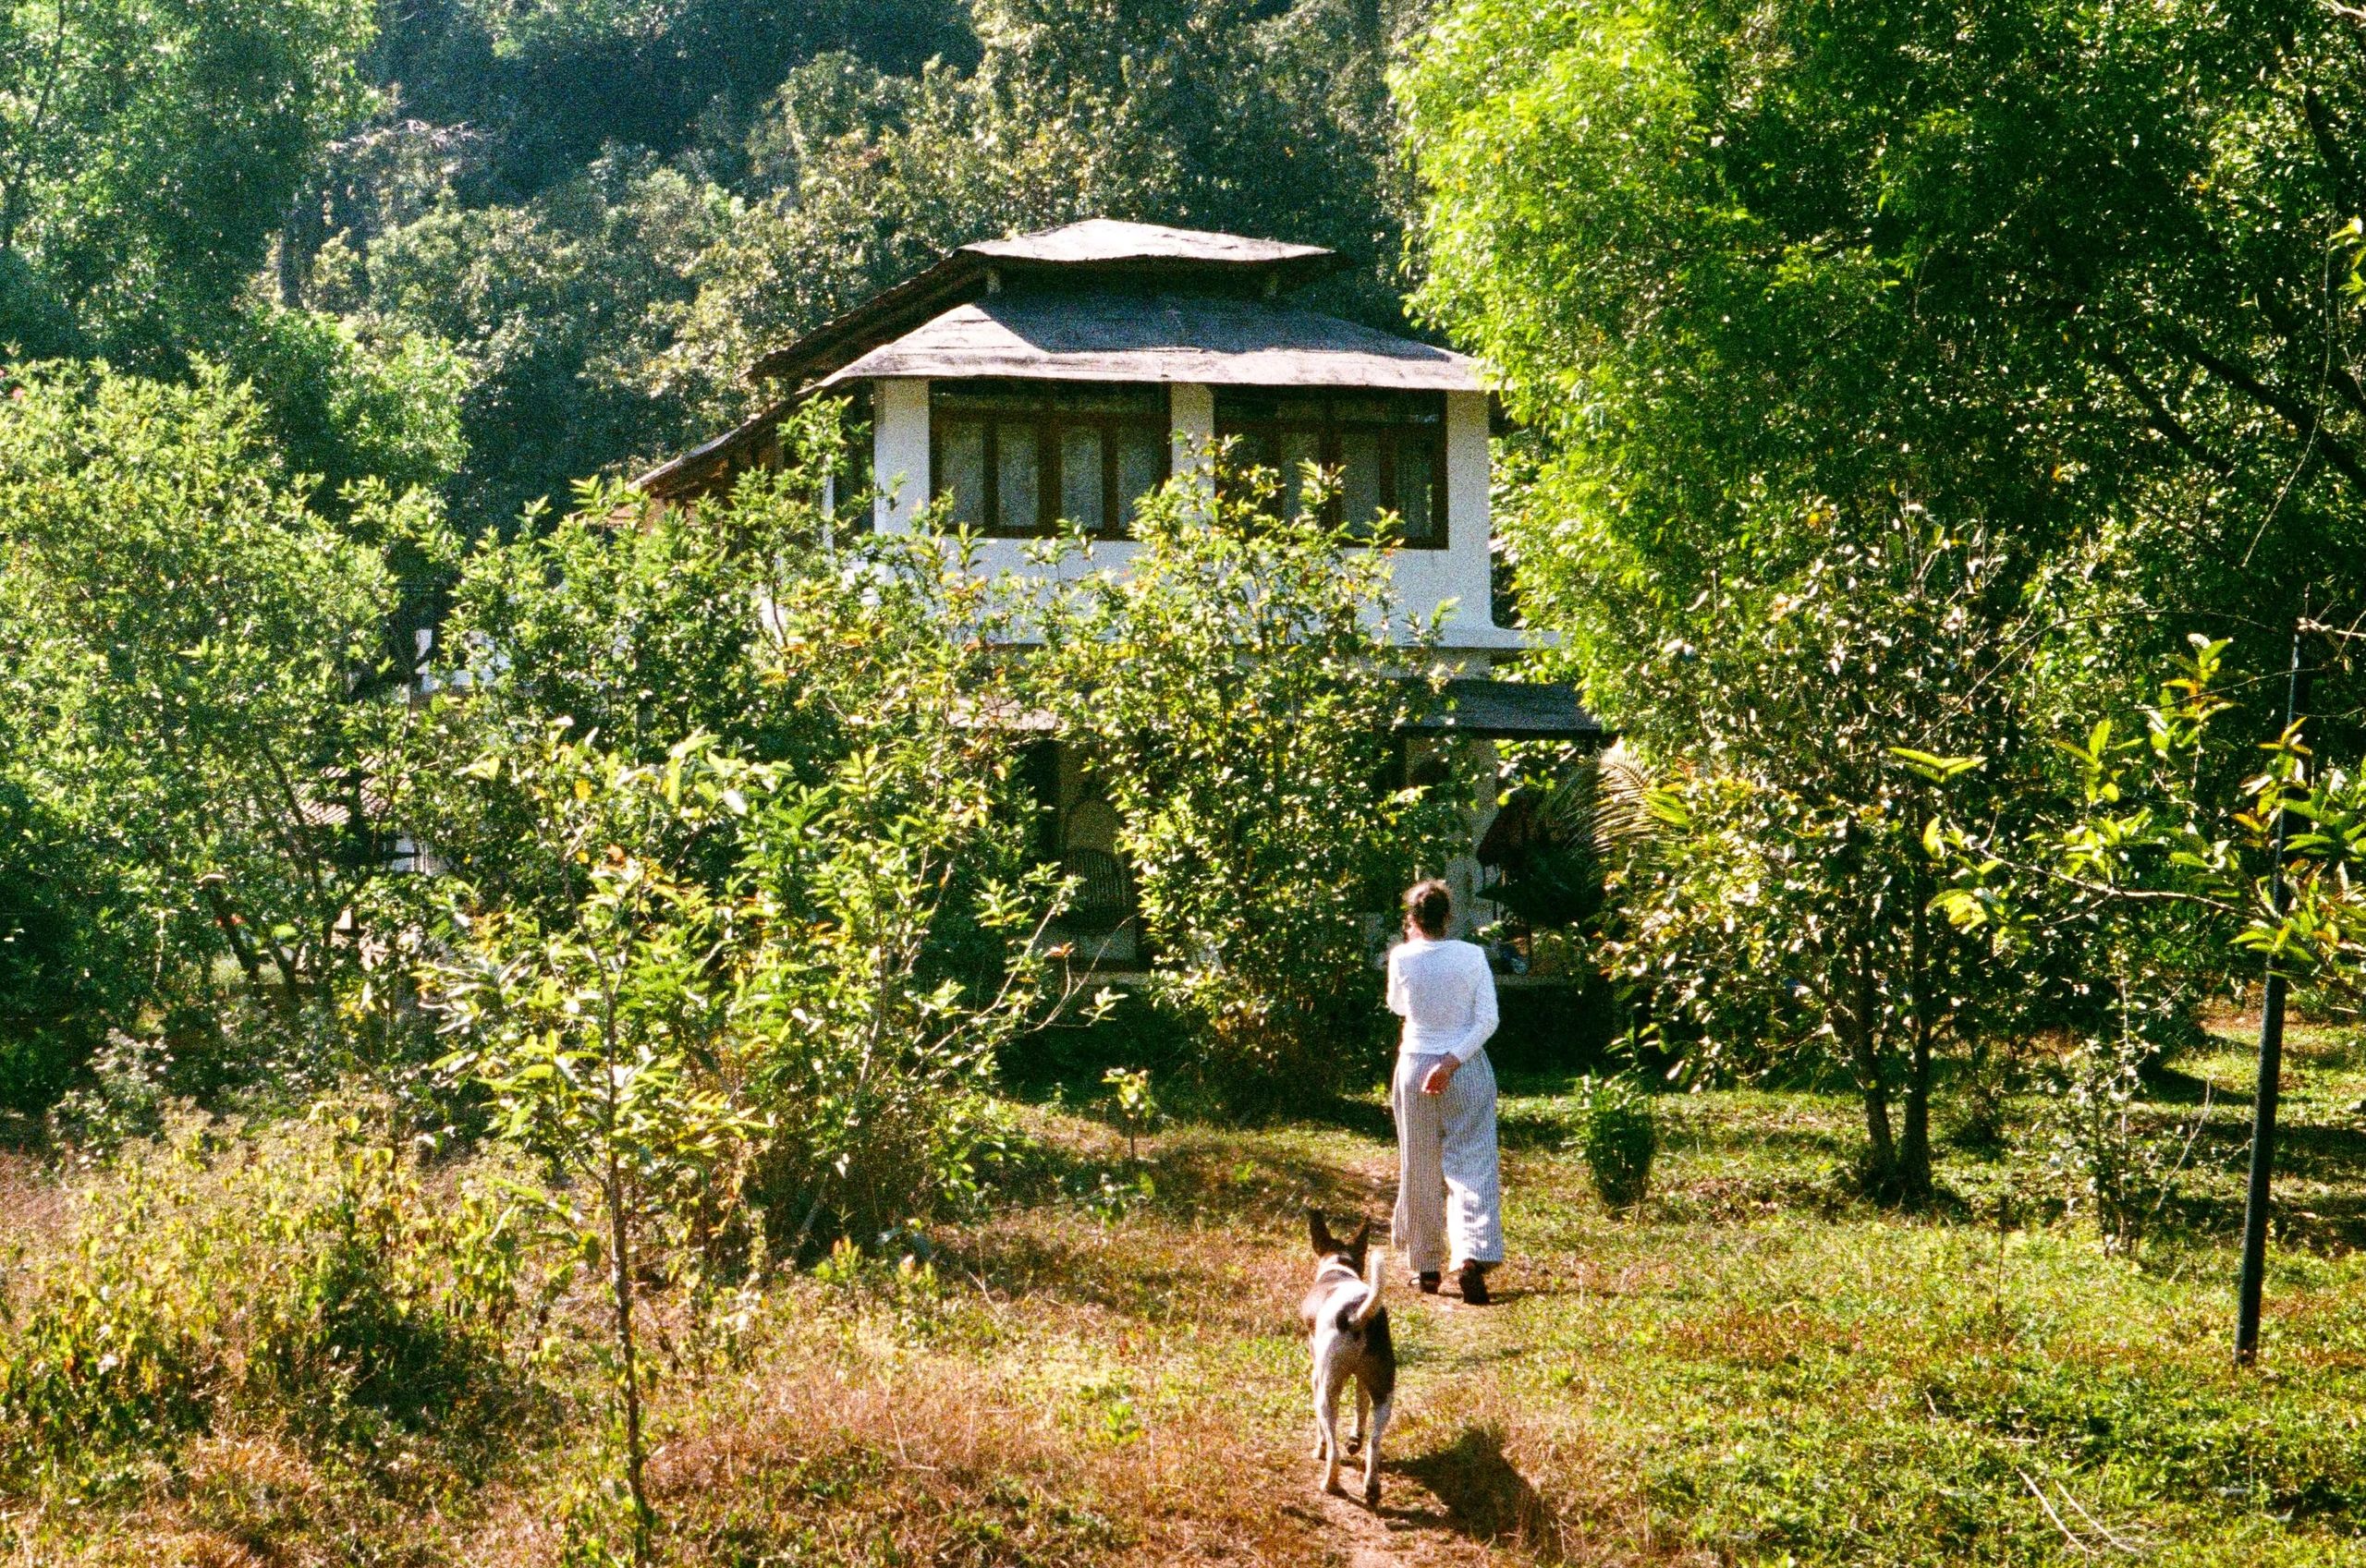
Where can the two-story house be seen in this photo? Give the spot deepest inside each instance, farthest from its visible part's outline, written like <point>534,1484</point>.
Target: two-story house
<point>1056,378</point>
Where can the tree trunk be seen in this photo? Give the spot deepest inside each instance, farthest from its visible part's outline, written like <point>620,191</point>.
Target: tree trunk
<point>1854,1023</point>
<point>620,1277</point>
<point>1881,1154</point>
<point>1913,1175</point>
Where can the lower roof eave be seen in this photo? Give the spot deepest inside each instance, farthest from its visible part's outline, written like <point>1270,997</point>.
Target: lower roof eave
<point>1477,708</point>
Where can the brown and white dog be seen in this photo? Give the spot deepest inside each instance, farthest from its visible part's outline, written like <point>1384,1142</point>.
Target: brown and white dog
<point>1348,1332</point>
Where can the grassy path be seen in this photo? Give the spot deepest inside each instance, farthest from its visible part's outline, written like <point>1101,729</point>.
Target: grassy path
<point>1449,1493</point>
<point>1106,1372</point>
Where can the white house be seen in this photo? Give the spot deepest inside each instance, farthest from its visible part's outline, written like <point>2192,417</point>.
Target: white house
<point>1057,377</point>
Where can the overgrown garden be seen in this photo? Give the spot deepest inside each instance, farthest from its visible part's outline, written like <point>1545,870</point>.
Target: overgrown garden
<point>537,1028</point>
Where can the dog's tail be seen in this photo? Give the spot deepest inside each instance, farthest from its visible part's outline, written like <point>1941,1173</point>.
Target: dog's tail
<point>1374,1267</point>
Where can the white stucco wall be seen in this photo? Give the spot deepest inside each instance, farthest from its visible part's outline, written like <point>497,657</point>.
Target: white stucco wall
<point>1424,578</point>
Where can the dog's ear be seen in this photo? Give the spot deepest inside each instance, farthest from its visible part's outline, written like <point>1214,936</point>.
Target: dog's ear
<point>1325,1243</point>
<point>1356,1248</point>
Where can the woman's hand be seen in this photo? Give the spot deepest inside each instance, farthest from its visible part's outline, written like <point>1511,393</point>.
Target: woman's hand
<point>1440,1076</point>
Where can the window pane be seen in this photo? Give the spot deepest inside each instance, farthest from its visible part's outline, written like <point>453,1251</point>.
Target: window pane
<point>1253,448</point>
<point>1081,497</point>
<point>1016,470</point>
<point>1299,449</point>
<point>1359,496</point>
<point>961,470</point>
<point>1416,497</point>
<point>1142,461</point>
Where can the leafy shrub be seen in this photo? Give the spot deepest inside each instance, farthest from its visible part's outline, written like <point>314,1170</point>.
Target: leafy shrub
<point>381,1308</point>
<point>1619,1137</point>
<point>115,1355</point>
<point>311,1281</point>
<point>64,951</point>
<point>1240,687</point>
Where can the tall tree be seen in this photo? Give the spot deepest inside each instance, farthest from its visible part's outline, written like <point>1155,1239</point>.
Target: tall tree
<point>183,641</point>
<point>1763,279</point>
<point>2070,268</point>
<point>149,150</point>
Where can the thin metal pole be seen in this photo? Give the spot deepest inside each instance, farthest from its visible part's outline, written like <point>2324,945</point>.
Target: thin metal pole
<point>2270,1077</point>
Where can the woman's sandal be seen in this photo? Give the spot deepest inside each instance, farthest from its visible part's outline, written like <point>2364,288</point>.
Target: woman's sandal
<point>1429,1283</point>
<point>1474,1284</point>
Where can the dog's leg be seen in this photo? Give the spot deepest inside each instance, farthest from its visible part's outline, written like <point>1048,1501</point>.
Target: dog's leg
<point>1379,1424</point>
<point>1321,1427</point>
<point>1362,1433</point>
<point>1326,1420</point>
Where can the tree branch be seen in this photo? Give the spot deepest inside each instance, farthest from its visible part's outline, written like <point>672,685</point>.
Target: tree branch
<point>2159,418</point>
<point>2308,422</point>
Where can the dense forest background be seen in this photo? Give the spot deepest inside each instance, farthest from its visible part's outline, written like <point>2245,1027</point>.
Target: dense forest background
<point>494,247</point>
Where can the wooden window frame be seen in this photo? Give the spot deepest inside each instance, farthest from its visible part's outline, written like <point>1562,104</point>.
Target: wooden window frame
<point>1328,430</point>
<point>1050,423</point>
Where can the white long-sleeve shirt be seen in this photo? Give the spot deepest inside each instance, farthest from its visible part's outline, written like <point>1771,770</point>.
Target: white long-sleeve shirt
<point>1445,993</point>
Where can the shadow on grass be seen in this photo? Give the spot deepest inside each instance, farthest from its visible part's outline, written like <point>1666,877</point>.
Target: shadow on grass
<point>2170,1086</point>
<point>1486,1496</point>
<point>1190,1173</point>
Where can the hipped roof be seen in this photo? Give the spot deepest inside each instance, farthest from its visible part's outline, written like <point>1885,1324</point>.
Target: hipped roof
<point>1141,252</point>
<point>1098,300</point>
<point>1131,338</point>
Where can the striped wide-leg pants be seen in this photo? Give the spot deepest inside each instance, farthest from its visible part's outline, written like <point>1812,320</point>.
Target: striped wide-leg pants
<point>1449,1190</point>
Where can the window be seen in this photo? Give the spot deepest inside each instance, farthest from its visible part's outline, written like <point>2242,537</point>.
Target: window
<point>1021,457</point>
<point>1386,451</point>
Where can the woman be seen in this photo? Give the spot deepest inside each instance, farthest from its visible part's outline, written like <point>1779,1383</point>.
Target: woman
<point>1449,1190</point>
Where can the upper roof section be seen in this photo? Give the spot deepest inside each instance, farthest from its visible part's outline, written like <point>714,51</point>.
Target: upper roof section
<point>1105,242</point>
<point>1097,250</point>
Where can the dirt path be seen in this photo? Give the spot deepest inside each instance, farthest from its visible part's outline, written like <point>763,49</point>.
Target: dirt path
<point>1424,1517</point>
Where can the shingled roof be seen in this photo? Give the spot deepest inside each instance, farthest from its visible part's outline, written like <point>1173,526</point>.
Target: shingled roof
<point>1147,252</point>
<point>1180,305</point>
<point>1216,342</point>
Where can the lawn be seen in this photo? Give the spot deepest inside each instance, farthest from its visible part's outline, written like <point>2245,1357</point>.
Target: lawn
<point>1754,1369</point>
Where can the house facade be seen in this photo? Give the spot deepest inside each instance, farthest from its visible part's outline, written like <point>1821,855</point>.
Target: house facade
<point>1050,380</point>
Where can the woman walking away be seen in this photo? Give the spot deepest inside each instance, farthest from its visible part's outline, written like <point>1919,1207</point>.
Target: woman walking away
<point>1449,1190</point>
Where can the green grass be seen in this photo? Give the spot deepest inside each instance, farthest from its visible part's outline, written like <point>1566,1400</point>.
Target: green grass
<point>1754,1369</point>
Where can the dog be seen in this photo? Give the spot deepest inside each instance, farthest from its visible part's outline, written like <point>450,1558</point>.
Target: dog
<point>1347,1334</point>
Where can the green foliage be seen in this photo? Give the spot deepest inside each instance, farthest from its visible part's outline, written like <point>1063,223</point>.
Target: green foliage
<point>1619,1135</point>
<point>1136,1104</point>
<point>68,954</point>
<point>348,411</point>
<point>555,82</point>
<point>1239,688</point>
<point>882,915</point>
<point>1783,905</point>
<point>590,1031</point>
<point>892,868</point>
<point>152,149</point>
<point>2059,267</point>
<point>645,633</point>
<point>184,646</point>
<point>556,306</point>
<point>295,1275</point>
<point>2136,864</point>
